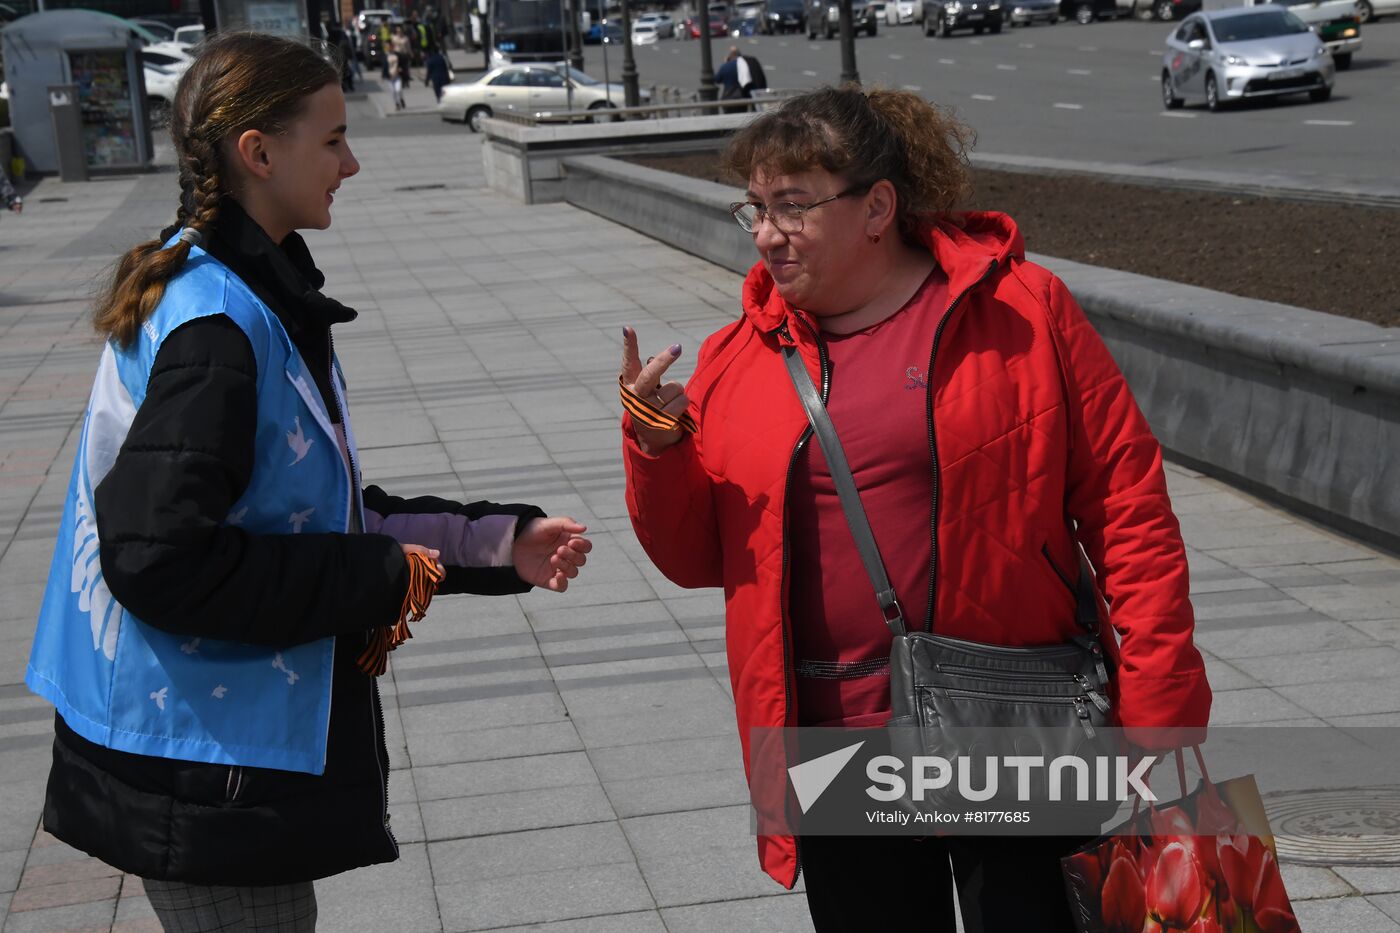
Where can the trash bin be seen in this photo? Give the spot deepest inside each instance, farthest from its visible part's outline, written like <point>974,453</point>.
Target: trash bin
<point>68,132</point>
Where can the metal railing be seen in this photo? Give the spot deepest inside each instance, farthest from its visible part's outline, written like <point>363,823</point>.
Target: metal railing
<point>678,104</point>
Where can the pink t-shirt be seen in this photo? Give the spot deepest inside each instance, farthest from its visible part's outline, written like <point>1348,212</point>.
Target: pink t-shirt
<point>877,402</point>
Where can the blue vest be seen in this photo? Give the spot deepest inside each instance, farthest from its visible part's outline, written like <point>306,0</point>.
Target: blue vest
<point>123,684</point>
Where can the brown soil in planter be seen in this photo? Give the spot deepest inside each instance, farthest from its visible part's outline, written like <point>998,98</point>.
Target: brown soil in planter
<point>1334,258</point>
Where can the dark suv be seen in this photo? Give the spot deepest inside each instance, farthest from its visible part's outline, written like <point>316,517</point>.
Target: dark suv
<point>941,17</point>
<point>783,16</point>
<point>824,18</point>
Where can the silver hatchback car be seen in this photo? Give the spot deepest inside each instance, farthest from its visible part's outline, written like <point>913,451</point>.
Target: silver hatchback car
<point>1228,55</point>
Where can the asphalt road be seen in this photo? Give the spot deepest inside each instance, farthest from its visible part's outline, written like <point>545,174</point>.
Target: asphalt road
<point>1091,93</point>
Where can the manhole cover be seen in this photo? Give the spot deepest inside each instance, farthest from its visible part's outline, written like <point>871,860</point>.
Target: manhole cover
<point>1360,826</point>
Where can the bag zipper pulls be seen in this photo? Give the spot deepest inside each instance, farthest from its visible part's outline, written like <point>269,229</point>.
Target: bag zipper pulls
<point>1083,712</point>
<point>1098,699</point>
<point>1099,669</point>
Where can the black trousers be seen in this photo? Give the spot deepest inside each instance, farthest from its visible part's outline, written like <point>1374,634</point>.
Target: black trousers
<point>904,884</point>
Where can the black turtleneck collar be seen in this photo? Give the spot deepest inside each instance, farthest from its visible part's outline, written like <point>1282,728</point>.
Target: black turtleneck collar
<point>284,276</point>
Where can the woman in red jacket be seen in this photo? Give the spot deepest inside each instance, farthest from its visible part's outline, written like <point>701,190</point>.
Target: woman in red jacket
<point>990,434</point>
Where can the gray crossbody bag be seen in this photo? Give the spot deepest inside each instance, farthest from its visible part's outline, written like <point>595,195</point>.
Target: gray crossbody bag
<point>952,691</point>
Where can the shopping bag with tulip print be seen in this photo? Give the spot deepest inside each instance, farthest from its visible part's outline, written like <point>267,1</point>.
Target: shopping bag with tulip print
<point>1203,864</point>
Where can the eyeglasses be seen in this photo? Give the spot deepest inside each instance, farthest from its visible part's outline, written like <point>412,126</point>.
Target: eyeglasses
<point>786,216</point>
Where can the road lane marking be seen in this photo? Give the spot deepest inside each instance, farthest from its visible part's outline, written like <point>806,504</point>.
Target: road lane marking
<point>814,47</point>
<point>1088,48</point>
<point>1329,122</point>
<point>810,74</point>
<point>1179,115</point>
<point>782,45</point>
<point>897,57</point>
<point>947,61</point>
<point>1080,71</point>
<point>1069,106</point>
<point>1006,67</point>
<point>974,41</point>
<point>983,97</point>
<point>1027,45</point>
<point>911,87</point>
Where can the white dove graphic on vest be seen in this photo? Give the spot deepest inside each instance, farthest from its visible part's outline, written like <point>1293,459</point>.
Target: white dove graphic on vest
<point>191,646</point>
<point>218,692</point>
<point>159,697</point>
<point>105,613</point>
<point>297,519</point>
<point>236,518</point>
<point>281,665</point>
<point>299,442</point>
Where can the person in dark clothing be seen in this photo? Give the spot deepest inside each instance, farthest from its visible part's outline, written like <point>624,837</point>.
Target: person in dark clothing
<point>438,75</point>
<point>339,40</point>
<point>727,76</point>
<point>219,573</point>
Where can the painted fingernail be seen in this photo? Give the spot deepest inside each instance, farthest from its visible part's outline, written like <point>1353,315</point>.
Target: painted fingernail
<point>626,331</point>
<point>675,349</point>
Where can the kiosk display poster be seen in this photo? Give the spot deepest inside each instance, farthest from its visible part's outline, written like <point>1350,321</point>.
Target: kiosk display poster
<point>105,103</point>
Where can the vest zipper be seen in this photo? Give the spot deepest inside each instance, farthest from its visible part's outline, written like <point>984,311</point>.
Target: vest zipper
<point>788,673</point>
<point>933,444</point>
<point>381,753</point>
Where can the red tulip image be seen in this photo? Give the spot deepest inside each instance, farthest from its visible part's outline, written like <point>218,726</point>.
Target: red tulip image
<point>1176,890</point>
<point>1240,857</point>
<point>1206,925</point>
<point>1124,900</point>
<point>1272,911</point>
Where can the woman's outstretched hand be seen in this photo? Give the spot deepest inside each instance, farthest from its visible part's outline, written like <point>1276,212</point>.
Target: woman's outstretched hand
<point>645,381</point>
<point>549,551</point>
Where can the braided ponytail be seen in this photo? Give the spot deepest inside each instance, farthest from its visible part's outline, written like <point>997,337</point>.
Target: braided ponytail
<point>240,82</point>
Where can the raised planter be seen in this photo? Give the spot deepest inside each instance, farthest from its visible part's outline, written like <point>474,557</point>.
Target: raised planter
<point>1298,405</point>
<point>524,161</point>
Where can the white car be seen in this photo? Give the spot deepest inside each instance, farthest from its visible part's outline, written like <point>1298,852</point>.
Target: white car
<point>189,35</point>
<point>1368,10</point>
<point>1229,55</point>
<point>665,25</point>
<point>899,12</point>
<point>644,34</point>
<point>524,89</point>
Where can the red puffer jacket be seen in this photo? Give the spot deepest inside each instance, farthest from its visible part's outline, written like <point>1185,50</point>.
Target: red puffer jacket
<point>1031,425</point>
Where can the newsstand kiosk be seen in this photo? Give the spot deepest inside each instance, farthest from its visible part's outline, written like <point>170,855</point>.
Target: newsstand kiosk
<point>90,63</point>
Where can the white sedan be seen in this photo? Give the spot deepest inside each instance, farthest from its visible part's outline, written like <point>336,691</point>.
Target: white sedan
<point>524,89</point>
<point>898,12</point>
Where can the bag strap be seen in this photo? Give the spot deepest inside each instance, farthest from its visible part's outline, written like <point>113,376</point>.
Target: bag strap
<point>846,489</point>
<point>1086,595</point>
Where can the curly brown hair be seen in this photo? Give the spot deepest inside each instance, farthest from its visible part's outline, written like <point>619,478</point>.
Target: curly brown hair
<point>864,136</point>
<point>239,81</point>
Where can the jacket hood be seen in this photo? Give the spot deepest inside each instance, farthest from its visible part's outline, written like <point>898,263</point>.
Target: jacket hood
<point>965,246</point>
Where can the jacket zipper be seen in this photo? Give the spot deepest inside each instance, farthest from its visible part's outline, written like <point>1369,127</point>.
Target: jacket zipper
<point>1045,549</point>
<point>787,490</point>
<point>376,707</point>
<point>933,444</point>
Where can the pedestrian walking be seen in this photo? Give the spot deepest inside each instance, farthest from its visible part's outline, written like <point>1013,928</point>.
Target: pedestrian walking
<point>438,74</point>
<point>386,41</point>
<point>990,436</point>
<point>8,197</point>
<point>727,76</point>
<point>403,48</point>
<point>223,591</point>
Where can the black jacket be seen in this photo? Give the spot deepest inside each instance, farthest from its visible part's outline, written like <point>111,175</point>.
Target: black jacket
<point>170,562</point>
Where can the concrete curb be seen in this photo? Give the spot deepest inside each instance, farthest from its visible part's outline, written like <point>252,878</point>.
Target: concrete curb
<point>1295,404</point>
<point>1312,189</point>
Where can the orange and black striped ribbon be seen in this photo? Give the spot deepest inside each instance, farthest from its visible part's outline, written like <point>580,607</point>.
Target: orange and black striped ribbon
<point>651,416</point>
<point>423,581</point>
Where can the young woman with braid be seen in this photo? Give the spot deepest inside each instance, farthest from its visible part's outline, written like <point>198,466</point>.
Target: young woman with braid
<point>222,588</point>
